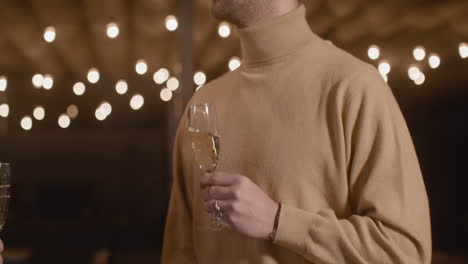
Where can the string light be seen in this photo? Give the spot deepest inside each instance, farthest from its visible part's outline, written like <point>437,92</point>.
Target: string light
<point>141,67</point>
<point>161,76</point>
<point>107,108</point>
<point>413,72</point>
<point>419,53</point>
<point>166,94</point>
<point>384,68</point>
<point>3,83</point>
<point>434,61</point>
<point>72,111</point>
<point>37,80</point>
<point>373,52</point>
<point>79,88</point>
<point>26,123</point>
<point>100,114</point>
<point>121,87</point>
<point>48,82</point>
<point>4,110</point>
<point>64,121</point>
<point>224,30</point>
<point>199,78</point>
<point>93,75</point>
<point>172,84</point>
<point>171,23</point>
<point>463,50</point>
<point>112,30</point>
<point>137,101</point>
<point>234,63</point>
<point>49,34</point>
<point>420,80</point>
<point>39,113</point>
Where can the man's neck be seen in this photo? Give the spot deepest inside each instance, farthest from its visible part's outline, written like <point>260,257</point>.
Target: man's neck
<point>277,8</point>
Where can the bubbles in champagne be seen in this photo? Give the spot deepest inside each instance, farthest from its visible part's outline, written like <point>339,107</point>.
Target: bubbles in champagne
<point>205,147</point>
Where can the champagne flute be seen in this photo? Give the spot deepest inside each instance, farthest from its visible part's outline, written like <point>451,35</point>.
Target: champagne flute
<point>4,192</point>
<point>203,130</point>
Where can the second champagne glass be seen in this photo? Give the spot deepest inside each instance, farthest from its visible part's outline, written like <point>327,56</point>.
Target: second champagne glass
<point>4,192</point>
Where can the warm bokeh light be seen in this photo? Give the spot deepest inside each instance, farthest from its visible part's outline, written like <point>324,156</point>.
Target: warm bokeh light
<point>79,88</point>
<point>161,76</point>
<point>224,30</point>
<point>72,111</point>
<point>413,72</point>
<point>39,113</point>
<point>141,67</point>
<point>64,121</point>
<point>49,34</point>
<point>234,63</point>
<point>121,87</point>
<point>3,83</point>
<point>106,106</point>
<point>172,84</point>
<point>100,114</point>
<point>373,52</point>
<point>93,75</point>
<point>199,78</point>
<point>419,53</point>
<point>4,110</point>
<point>26,123</point>
<point>48,82</point>
<point>37,80</point>
<point>384,68</point>
<point>171,23</point>
<point>112,30</point>
<point>137,101</point>
<point>166,94</point>
<point>434,61</point>
<point>463,50</point>
<point>420,79</point>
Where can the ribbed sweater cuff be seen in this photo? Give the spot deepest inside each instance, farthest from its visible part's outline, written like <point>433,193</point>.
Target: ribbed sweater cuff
<point>291,231</point>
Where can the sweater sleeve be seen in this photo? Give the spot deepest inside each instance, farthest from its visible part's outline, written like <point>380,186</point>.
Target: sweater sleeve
<point>390,220</point>
<point>178,243</point>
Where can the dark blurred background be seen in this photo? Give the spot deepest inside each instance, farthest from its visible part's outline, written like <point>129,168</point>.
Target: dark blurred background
<point>91,161</point>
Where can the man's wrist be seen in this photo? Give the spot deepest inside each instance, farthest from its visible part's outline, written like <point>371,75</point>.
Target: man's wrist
<point>272,235</point>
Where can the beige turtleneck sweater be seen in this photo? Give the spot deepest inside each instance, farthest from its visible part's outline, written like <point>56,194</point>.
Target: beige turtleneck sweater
<point>319,131</point>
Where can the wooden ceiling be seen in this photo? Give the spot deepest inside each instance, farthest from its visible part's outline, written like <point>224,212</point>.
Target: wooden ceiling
<point>397,26</point>
<point>81,41</point>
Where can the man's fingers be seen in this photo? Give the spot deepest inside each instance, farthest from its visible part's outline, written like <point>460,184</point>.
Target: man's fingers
<point>218,178</point>
<point>214,192</point>
<point>1,246</point>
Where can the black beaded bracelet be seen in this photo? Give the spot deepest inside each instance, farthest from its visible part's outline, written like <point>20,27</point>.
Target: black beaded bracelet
<point>275,225</point>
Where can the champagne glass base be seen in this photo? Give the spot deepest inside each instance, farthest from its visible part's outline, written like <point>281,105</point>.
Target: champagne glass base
<point>215,226</point>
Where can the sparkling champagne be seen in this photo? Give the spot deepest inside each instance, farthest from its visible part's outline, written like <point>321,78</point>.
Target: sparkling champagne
<point>206,149</point>
<point>4,198</point>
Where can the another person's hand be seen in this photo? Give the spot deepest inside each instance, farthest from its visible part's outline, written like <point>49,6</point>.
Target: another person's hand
<point>245,207</point>
<point>1,251</point>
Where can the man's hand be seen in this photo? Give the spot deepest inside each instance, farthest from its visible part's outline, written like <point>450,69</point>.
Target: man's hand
<point>245,207</point>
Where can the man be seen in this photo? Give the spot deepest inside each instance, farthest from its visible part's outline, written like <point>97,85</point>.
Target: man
<point>309,127</point>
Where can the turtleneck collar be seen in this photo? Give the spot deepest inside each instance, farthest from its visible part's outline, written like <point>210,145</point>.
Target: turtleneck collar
<point>275,37</point>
